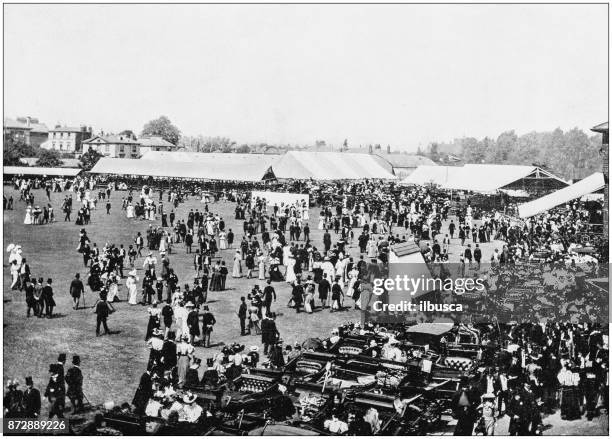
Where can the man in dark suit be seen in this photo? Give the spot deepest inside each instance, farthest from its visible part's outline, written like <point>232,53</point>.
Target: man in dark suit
<point>326,240</point>
<point>467,254</point>
<point>47,295</point>
<point>76,289</point>
<point>55,392</point>
<point>31,400</point>
<point>208,321</point>
<point>269,333</point>
<point>242,315</point>
<point>269,294</point>
<point>74,379</point>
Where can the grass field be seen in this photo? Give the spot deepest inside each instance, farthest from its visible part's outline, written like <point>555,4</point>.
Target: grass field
<point>112,364</point>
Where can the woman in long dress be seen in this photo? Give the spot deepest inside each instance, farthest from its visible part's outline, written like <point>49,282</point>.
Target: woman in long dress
<point>308,297</point>
<point>290,275</point>
<point>28,216</point>
<point>130,283</point>
<point>261,264</point>
<point>237,270</point>
<point>130,210</point>
<point>222,241</point>
<point>113,288</point>
<point>163,242</point>
<point>184,352</point>
<point>321,222</point>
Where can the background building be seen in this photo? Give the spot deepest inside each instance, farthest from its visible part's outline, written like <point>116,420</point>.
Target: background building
<point>67,139</point>
<point>154,143</point>
<point>26,129</point>
<point>117,146</point>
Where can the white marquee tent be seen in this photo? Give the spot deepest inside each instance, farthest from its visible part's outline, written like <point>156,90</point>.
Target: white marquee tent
<point>239,170</point>
<point>588,185</point>
<point>301,165</point>
<point>474,177</point>
<point>36,170</point>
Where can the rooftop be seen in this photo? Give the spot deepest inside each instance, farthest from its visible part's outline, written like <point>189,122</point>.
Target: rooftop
<point>601,128</point>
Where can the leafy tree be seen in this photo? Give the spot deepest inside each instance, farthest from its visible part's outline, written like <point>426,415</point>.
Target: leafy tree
<point>49,158</point>
<point>434,152</point>
<point>345,144</point>
<point>15,150</point>
<point>321,143</point>
<point>89,159</point>
<point>162,127</point>
<point>243,149</point>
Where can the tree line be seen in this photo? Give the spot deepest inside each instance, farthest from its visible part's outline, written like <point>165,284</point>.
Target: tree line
<point>571,154</point>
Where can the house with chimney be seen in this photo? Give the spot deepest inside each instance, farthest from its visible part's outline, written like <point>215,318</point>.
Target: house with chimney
<point>27,130</point>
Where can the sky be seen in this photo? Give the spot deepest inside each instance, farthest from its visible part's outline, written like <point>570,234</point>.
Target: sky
<point>399,75</point>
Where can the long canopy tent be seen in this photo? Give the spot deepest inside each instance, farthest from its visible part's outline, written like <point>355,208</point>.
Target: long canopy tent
<point>486,179</point>
<point>40,171</point>
<point>193,170</point>
<point>588,185</point>
<point>302,165</point>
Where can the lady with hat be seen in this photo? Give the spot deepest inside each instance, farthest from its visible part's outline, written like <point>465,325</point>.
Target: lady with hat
<point>191,412</point>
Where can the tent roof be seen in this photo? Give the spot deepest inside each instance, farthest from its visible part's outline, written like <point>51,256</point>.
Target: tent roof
<point>473,177</point>
<point>406,160</point>
<point>239,170</point>
<point>428,174</point>
<point>585,186</point>
<point>36,170</point>
<point>216,158</point>
<point>301,165</point>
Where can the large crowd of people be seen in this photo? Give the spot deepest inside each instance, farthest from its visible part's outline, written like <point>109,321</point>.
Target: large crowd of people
<point>556,366</point>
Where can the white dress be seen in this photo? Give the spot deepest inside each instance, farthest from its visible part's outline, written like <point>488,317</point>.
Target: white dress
<point>28,216</point>
<point>112,292</point>
<point>130,211</point>
<point>305,214</point>
<point>222,241</point>
<point>321,223</point>
<point>262,267</point>
<point>290,276</point>
<point>132,291</point>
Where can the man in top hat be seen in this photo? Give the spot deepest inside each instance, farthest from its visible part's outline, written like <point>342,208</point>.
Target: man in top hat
<point>193,321</point>
<point>55,392</point>
<point>74,379</point>
<point>242,316</point>
<point>31,400</point>
<point>269,295</point>
<point>61,361</point>
<point>13,400</point>
<point>102,309</point>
